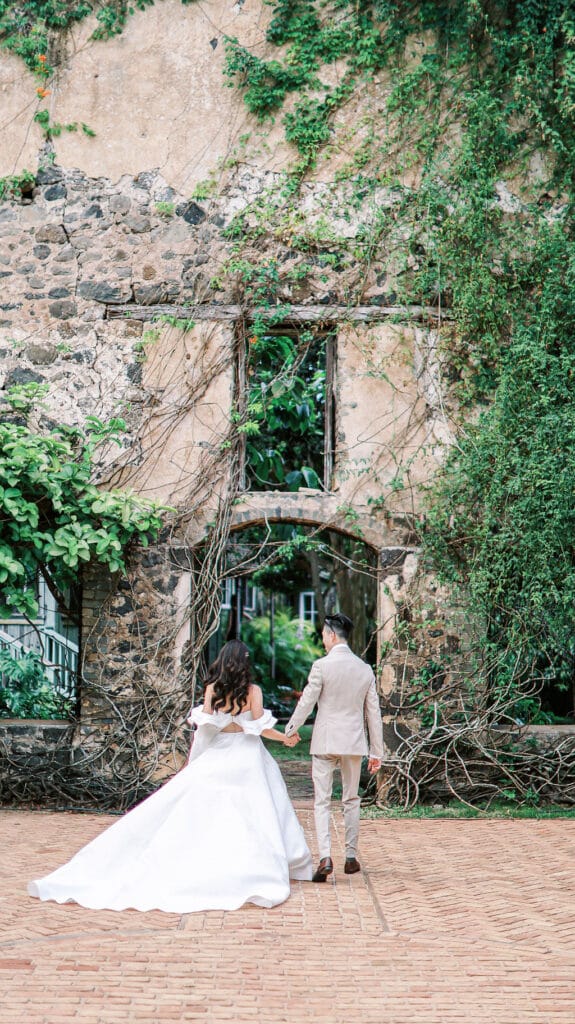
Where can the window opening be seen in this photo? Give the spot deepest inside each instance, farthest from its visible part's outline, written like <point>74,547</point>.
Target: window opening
<point>288,410</point>
<point>54,635</point>
<point>307,609</point>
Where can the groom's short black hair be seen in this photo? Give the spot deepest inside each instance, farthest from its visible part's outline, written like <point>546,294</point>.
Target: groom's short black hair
<point>339,624</point>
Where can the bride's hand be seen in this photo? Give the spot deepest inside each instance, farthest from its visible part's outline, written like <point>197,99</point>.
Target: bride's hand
<point>291,741</point>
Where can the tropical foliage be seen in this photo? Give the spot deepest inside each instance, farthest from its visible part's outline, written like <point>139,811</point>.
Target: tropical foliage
<point>294,649</point>
<point>25,690</point>
<point>284,420</point>
<point>501,517</point>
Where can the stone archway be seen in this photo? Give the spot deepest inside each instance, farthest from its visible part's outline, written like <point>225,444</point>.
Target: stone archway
<point>392,540</point>
<point>313,508</point>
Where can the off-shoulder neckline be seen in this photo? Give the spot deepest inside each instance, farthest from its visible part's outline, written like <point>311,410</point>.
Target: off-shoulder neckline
<point>237,715</point>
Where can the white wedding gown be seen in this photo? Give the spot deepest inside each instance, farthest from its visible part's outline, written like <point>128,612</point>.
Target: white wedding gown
<point>220,833</point>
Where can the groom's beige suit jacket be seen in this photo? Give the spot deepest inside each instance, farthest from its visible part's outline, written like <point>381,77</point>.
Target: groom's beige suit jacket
<point>343,687</point>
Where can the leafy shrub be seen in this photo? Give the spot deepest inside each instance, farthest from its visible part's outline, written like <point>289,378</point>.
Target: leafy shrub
<point>26,691</point>
<point>502,516</point>
<point>295,649</point>
<point>53,519</point>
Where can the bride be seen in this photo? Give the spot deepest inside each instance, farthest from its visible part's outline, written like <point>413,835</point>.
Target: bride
<point>220,833</point>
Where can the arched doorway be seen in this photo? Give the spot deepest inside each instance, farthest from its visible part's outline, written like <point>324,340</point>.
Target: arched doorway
<point>299,555</point>
<point>276,587</point>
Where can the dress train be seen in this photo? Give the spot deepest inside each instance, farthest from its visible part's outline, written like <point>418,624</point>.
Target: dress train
<point>220,833</point>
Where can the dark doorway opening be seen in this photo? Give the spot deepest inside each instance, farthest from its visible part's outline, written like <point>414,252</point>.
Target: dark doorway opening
<point>276,589</point>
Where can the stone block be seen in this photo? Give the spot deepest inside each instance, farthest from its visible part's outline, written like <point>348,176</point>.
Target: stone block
<point>391,559</point>
<point>94,211</point>
<point>119,204</point>
<point>191,213</point>
<point>55,192</point>
<point>41,355</point>
<point>63,309</point>
<point>149,294</point>
<point>66,254</point>
<point>23,376</point>
<point>49,174</point>
<point>137,223</point>
<point>53,233</point>
<point>102,291</point>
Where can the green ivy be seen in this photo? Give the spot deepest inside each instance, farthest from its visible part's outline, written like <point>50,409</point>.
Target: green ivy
<point>25,27</point>
<point>311,43</point>
<point>53,129</point>
<point>501,517</point>
<point>14,186</point>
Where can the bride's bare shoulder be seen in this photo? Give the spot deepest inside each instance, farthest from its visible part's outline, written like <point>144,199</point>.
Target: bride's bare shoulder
<point>255,697</point>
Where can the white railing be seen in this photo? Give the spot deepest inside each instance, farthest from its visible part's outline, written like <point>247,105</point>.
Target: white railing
<point>60,661</point>
<point>10,643</point>
<point>58,654</point>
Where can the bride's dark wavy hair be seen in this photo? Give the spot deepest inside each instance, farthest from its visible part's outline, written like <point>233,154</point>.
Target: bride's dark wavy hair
<point>230,675</point>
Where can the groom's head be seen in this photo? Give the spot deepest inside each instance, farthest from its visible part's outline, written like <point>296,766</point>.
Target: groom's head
<point>337,629</point>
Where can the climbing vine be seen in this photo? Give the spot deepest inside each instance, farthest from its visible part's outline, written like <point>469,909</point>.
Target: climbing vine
<point>476,149</point>
<point>25,27</point>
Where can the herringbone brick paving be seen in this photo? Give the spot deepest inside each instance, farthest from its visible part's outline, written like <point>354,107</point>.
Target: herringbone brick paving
<point>451,922</point>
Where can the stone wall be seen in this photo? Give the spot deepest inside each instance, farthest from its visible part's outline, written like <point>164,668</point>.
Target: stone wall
<point>150,105</point>
<point>31,752</point>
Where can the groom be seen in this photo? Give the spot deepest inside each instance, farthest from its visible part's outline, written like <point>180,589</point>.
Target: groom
<point>343,687</point>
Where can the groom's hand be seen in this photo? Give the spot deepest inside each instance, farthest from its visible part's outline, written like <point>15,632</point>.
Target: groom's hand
<point>373,765</point>
<point>291,741</point>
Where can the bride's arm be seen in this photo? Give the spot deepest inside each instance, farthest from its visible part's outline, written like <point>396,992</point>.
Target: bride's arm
<point>280,737</point>
<point>257,710</point>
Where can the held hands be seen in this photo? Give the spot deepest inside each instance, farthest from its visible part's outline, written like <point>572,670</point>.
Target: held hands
<point>373,765</point>
<point>291,741</point>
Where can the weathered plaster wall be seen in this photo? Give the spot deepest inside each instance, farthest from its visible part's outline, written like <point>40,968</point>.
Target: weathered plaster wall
<point>188,381</point>
<point>164,106</point>
<point>156,97</point>
<point>389,420</point>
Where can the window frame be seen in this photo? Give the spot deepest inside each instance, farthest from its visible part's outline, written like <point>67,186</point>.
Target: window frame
<point>241,388</point>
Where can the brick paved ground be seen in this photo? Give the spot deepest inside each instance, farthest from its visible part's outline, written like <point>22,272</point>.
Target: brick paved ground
<point>452,921</point>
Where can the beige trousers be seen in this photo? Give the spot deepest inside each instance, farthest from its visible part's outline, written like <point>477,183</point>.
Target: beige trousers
<point>323,767</point>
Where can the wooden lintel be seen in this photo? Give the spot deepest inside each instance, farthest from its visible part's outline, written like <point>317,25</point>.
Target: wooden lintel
<point>289,314</point>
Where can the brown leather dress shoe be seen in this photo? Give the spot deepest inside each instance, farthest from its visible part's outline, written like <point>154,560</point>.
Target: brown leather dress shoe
<point>324,868</point>
<point>351,866</point>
